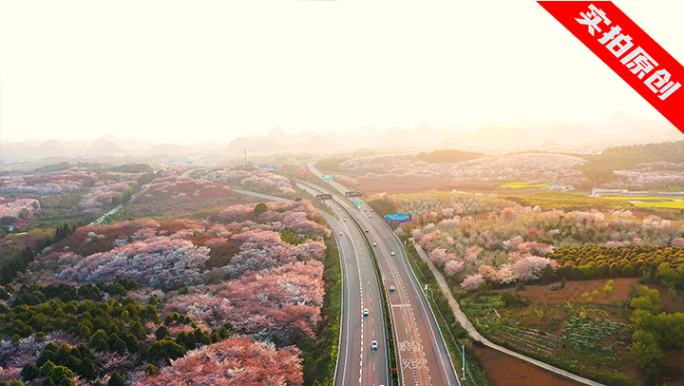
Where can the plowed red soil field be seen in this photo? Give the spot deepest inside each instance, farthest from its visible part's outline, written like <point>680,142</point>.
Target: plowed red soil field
<point>504,370</point>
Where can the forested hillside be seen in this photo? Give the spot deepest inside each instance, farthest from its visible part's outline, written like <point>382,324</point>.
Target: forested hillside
<point>658,156</point>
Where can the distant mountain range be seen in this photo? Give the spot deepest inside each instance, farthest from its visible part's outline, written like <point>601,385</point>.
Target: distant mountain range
<point>516,135</point>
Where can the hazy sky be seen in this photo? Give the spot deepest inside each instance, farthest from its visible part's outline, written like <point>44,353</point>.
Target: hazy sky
<point>194,71</point>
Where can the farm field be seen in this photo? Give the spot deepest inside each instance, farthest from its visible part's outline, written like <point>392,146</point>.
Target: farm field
<point>400,185</point>
<point>633,198</point>
<point>504,370</point>
<point>583,327</point>
<point>522,185</point>
<point>662,204</point>
<point>652,202</point>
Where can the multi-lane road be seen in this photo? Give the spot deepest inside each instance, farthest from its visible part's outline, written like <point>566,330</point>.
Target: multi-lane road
<point>358,363</point>
<point>423,358</point>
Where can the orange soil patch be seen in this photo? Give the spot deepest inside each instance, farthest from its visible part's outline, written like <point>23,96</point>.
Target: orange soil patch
<point>675,358</point>
<point>622,287</point>
<point>670,305</point>
<point>504,370</point>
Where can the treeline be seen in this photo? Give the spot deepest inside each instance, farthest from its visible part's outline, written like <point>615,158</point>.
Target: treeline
<point>320,355</point>
<point>128,193</point>
<point>452,156</point>
<point>16,255</point>
<point>653,332</point>
<point>94,167</point>
<point>599,168</point>
<point>594,261</point>
<point>13,264</point>
<point>34,294</point>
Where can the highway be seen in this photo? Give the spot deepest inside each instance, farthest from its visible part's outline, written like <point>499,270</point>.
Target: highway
<point>423,358</point>
<point>104,216</point>
<point>357,363</point>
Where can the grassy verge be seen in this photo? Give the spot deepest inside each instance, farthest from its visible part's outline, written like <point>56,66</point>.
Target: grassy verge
<point>320,355</point>
<point>451,329</point>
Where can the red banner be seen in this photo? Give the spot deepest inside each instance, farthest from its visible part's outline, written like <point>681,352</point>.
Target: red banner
<point>628,50</point>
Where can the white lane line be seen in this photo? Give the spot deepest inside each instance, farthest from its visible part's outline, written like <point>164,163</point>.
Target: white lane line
<point>359,255</point>
<point>358,269</point>
<point>347,326</point>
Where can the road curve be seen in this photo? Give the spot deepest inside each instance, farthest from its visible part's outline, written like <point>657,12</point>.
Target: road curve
<point>423,358</point>
<point>357,363</point>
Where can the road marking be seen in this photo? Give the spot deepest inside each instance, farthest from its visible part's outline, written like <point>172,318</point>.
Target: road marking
<point>401,305</point>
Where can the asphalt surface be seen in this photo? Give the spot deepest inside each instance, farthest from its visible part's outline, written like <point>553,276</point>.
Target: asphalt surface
<point>423,358</point>
<point>104,216</point>
<point>357,363</point>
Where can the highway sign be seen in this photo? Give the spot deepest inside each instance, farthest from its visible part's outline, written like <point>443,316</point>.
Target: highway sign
<point>328,177</point>
<point>358,202</point>
<point>398,218</point>
<point>353,194</point>
<point>269,168</point>
<point>322,197</point>
<point>304,174</point>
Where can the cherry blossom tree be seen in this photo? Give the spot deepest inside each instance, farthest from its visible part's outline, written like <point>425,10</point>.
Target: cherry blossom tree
<point>438,256</point>
<point>472,253</point>
<point>488,272</point>
<point>452,267</point>
<point>281,305</point>
<point>678,242</point>
<point>11,207</point>
<point>158,261</point>
<point>235,361</point>
<point>472,282</point>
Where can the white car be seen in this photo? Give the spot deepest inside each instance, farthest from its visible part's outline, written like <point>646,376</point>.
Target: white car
<point>375,245</point>
<point>341,234</point>
<point>365,312</point>
<point>370,216</point>
<point>339,208</point>
<point>392,288</point>
<point>374,345</point>
<point>392,253</point>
